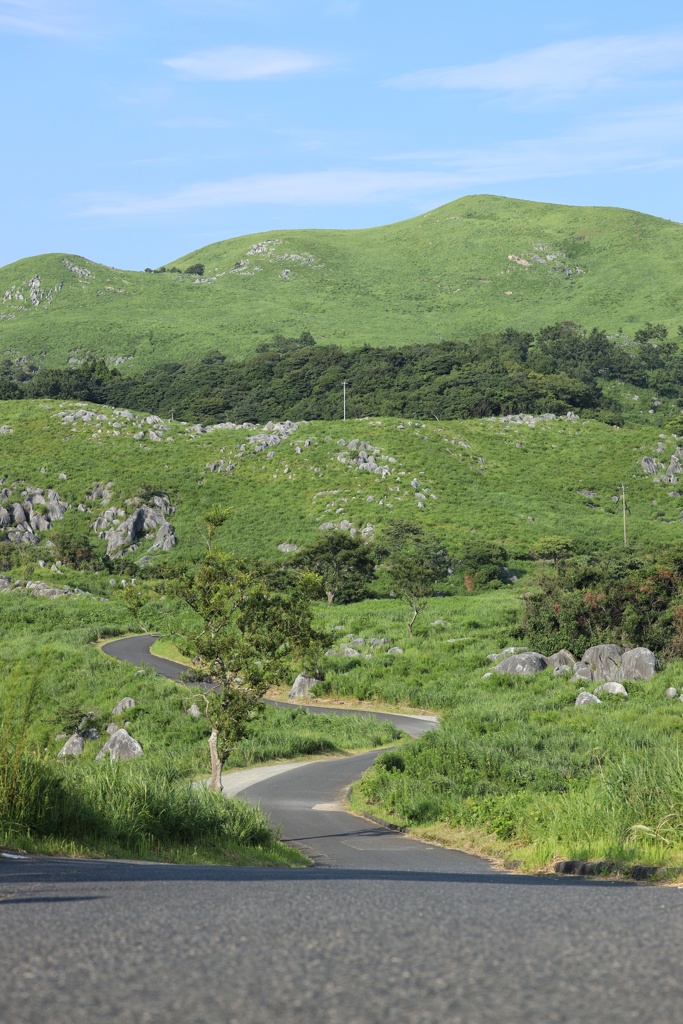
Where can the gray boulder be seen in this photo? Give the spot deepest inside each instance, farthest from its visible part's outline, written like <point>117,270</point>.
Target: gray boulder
<point>613,688</point>
<point>507,653</point>
<point>648,465</point>
<point>583,673</point>
<point>112,728</point>
<point>562,658</point>
<point>193,711</point>
<point>522,664</point>
<point>73,747</point>
<point>604,661</point>
<point>638,663</point>
<point>671,692</point>
<point>562,670</point>
<point>123,705</point>
<point>586,698</point>
<point>302,685</point>
<point>287,549</point>
<point>121,747</point>
<point>395,650</point>
<point>91,734</point>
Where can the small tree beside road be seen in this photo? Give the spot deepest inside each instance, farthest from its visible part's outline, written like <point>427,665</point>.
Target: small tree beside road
<point>255,625</point>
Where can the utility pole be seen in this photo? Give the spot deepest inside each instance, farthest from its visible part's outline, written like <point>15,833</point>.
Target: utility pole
<point>345,383</point>
<point>623,502</point>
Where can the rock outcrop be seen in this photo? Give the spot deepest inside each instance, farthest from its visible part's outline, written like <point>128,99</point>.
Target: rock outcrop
<point>120,747</point>
<point>522,664</point>
<point>303,684</point>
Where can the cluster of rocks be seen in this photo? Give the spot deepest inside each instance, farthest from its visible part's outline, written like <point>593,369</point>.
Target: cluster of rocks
<point>120,746</point>
<point>34,514</point>
<point>365,459</point>
<point>526,420</point>
<point>38,588</point>
<point>122,534</point>
<point>610,665</point>
<point>349,647</point>
<point>651,467</point>
<point>422,493</point>
<point>367,533</point>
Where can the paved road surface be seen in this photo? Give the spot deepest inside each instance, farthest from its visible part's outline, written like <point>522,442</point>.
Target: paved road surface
<point>385,931</point>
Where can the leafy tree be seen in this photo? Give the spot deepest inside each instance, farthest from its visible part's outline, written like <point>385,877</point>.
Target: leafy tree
<point>553,548</point>
<point>251,634</point>
<point>417,565</point>
<point>196,268</point>
<point>345,564</point>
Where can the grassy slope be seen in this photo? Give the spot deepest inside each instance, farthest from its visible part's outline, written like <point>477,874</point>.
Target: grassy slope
<point>513,483</point>
<point>444,274</point>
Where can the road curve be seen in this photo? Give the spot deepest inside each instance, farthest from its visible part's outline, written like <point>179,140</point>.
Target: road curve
<point>306,801</point>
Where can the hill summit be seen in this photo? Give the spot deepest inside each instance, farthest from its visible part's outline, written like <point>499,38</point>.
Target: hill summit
<point>479,264</point>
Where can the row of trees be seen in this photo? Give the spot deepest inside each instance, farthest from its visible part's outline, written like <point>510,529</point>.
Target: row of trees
<point>560,368</point>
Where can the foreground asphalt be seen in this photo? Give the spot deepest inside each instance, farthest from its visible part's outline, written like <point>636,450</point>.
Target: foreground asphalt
<point>382,929</point>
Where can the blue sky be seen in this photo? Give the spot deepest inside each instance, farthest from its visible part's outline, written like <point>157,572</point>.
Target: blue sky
<point>138,131</point>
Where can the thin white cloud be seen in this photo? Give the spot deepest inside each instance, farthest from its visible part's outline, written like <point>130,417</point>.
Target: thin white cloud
<point>242,63</point>
<point>300,189</point>
<point>560,69</point>
<point>649,138</point>
<point>41,17</point>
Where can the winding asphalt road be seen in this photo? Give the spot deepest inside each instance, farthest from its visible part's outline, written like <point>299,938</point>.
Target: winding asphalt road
<point>383,930</point>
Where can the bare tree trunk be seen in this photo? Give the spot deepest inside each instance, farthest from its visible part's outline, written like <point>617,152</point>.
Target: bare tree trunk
<point>216,784</point>
<point>416,612</point>
<point>330,596</point>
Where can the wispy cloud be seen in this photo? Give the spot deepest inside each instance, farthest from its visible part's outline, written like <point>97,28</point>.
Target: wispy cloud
<point>241,63</point>
<point>649,137</point>
<point>560,69</point>
<point>42,17</point>
<point>300,189</point>
<point>646,138</point>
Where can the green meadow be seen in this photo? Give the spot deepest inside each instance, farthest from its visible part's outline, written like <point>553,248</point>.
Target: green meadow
<point>515,771</point>
<point>477,265</point>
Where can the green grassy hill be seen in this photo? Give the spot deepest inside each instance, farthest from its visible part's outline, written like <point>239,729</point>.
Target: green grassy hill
<point>510,482</point>
<point>479,264</point>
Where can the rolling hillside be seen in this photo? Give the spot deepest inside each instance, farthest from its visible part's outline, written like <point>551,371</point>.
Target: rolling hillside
<point>514,482</point>
<point>479,264</point>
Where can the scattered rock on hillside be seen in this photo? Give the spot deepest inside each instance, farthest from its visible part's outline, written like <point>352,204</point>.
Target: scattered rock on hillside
<point>638,663</point>
<point>562,670</point>
<point>603,661</point>
<point>395,650</point>
<point>112,728</point>
<point>123,705</point>
<point>288,549</point>
<point>142,522</point>
<point>613,688</point>
<point>302,685</point>
<point>193,711</point>
<point>74,746</point>
<point>121,747</point>
<point>522,664</point>
<point>586,698</point>
<point>508,652</point>
<point>562,659</point>
<point>671,692</point>
<point>649,465</point>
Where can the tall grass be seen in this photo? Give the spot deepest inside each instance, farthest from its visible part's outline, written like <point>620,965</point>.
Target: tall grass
<point>516,762</point>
